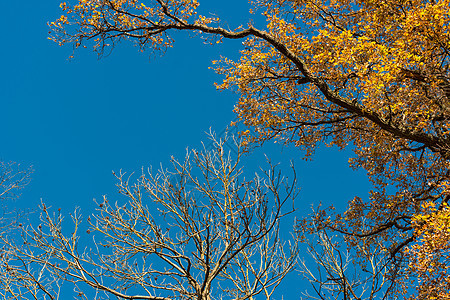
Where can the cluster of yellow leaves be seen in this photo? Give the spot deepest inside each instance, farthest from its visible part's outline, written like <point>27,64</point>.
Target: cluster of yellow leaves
<point>108,22</point>
<point>364,48</point>
<point>430,256</point>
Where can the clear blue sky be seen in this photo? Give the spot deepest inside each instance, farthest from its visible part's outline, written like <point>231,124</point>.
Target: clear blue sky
<point>76,121</point>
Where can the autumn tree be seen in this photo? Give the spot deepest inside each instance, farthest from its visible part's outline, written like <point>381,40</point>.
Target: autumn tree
<point>198,230</point>
<point>371,75</point>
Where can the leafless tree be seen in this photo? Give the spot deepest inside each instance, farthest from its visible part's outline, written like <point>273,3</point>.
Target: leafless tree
<point>334,273</point>
<point>199,231</point>
<point>13,178</point>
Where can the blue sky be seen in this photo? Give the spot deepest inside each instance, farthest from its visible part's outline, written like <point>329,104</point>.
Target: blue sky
<point>75,121</point>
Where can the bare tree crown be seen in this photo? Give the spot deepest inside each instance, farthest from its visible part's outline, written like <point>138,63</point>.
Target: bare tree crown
<point>198,231</point>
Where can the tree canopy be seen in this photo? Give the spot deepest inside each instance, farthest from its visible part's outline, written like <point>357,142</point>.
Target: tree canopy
<point>372,75</point>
